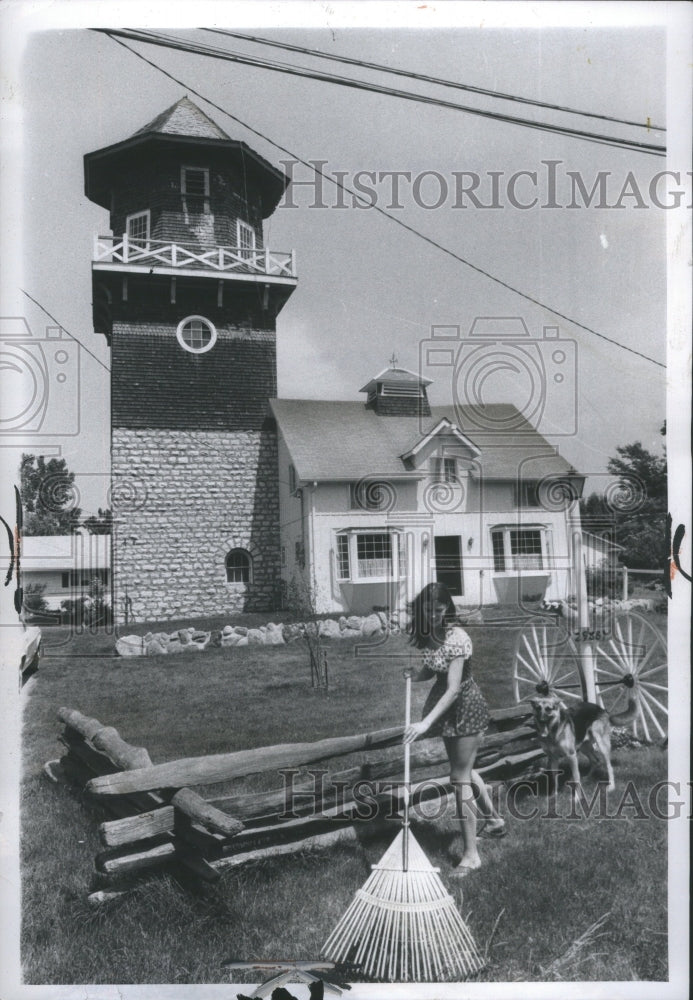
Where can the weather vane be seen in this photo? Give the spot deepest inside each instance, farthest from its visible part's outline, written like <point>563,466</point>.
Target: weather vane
<point>393,360</point>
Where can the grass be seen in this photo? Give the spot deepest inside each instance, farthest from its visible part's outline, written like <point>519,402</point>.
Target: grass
<point>533,906</point>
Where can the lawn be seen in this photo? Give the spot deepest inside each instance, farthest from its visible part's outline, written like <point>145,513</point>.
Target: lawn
<point>542,889</point>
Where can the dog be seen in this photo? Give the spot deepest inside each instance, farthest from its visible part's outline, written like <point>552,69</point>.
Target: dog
<point>562,731</point>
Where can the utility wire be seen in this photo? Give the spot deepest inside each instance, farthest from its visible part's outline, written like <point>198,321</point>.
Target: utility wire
<point>382,211</point>
<point>380,67</point>
<point>170,42</point>
<point>71,335</point>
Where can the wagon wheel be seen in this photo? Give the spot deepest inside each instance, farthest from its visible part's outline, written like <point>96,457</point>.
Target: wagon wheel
<point>632,658</point>
<point>546,659</point>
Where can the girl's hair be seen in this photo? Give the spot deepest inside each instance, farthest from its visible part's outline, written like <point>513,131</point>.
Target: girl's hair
<point>424,632</point>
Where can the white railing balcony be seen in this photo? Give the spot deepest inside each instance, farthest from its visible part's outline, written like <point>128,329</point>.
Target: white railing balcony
<point>168,256</point>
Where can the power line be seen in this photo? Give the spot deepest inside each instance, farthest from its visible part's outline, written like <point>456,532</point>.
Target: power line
<point>71,335</point>
<point>394,71</point>
<point>383,212</point>
<point>170,42</point>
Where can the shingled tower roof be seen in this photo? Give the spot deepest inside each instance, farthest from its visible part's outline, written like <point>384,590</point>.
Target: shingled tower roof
<point>184,118</point>
<point>181,127</point>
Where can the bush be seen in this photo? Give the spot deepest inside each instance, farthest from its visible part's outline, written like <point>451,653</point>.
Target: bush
<point>89,609</point>
<point>606,581</point>
<point>34,601</point>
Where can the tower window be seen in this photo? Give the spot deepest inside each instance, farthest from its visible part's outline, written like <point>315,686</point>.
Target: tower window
<point>246,239</point>
<point>239,566</point>
<point>196,334</point>
<point>195,181</point>
<point>137,228</point>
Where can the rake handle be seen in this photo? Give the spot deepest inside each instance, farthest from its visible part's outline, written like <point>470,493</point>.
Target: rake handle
<point>407,777</point>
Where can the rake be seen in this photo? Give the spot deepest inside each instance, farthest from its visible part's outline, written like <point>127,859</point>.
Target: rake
<point>403,926</point>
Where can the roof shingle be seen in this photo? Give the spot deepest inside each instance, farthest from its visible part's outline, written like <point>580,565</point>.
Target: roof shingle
<point>184,118</point>
<point>342,440</point>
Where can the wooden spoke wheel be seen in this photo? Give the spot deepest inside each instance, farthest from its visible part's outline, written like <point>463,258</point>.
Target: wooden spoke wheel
<point>546,660</point>
<point>632,659</point>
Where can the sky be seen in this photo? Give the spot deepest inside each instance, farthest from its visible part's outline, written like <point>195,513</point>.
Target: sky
<point>368,288</point>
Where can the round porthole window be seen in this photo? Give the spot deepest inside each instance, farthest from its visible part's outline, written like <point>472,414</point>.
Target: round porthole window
<point>196,334</point>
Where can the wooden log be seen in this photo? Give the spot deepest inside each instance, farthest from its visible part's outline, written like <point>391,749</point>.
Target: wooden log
<point>306,797</point>
<point>129,829</point>
<point>198,867</point>
<point>195,807</point>
<point>106,739</point>
<point>97,763</point>
<point>121,753</point>
<point>223,767</point>
<point>121,864</point>
<point>197,838</point>
<point>345,835</point>
<point>287,833</point>
<point>82,724</point>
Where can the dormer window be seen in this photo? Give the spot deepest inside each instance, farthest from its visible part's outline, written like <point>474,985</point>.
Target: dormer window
<point>526,494</point>
<point>194,187</point>
<point>445,470</point>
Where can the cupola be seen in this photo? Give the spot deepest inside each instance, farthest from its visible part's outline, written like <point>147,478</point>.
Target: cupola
<point>398,392</point>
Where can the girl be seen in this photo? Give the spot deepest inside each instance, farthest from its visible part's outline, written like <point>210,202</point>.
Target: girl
<point>455,709</point>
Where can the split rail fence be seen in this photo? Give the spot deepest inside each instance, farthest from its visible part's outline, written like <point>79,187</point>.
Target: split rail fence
<point>167,813</point>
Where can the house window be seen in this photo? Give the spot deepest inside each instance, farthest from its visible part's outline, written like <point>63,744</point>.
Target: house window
<point>374,555</point>
<point>498,551</point>
<point>196,334</point>
<point>343,557</point>
<point>83,578</point>
<point>246,239</point>
<point>445,470</point>
<point>370,555</point>
<point>371,495</point>
<point>292,478</point>
<point>519,549</point>
<point>238,566</point>
<point>137,229</point>
<point>526,494</point>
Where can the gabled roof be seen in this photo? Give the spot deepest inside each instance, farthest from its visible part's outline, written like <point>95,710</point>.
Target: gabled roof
<point>340,440</point>
<point>440,428</point>
<point>184,118</point>
<point>395,375</point>
<point>606,542</point>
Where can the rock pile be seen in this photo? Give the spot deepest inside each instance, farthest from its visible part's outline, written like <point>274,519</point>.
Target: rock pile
<point>189,639</point>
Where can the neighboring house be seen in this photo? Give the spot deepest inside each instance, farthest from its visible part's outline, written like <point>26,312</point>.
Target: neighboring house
<point>65,564</point>
<point>597,550</point>
<point>379,498</point>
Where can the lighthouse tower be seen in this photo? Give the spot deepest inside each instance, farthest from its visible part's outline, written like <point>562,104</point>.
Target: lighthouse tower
<point>187,295</point>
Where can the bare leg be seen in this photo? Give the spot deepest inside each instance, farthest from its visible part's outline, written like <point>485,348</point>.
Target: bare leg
<point>461,752</point>
<point>484,804</point>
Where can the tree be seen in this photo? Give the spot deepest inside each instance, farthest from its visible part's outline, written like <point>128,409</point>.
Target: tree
<point>101,523</point>
<point>49,497</point>
<point>636,508</point>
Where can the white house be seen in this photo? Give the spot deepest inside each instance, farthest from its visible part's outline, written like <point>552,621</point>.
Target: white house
<point>65,564</point>
<point>598,550</point>
<point>379,498</point>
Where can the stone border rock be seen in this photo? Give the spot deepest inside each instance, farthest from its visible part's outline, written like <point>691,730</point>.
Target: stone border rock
<point>192,639</point>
